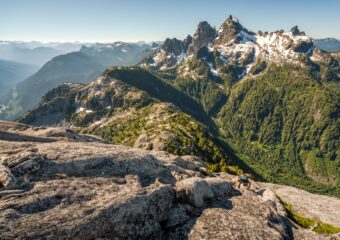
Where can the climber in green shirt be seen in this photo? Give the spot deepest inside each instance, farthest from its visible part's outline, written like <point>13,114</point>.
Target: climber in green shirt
<point>244,180</point>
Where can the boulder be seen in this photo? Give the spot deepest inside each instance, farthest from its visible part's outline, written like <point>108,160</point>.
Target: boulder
<point>27,167</point>
<point>177,216</point>
<point>248,217</point>
<point>144,142</point>
<point>307,204</point>
<point>220,187</point>
<point>7,179</point>
<point>194,191</point>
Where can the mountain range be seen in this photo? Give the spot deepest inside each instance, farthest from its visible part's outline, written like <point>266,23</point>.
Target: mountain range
<point>34,52</point>
<point>328,44</point>
<point>11,73</point>
<point>78,67</point>
<point>265,103</point>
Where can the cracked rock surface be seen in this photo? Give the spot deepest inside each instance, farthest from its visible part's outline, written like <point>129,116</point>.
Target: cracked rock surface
<point>55,183</point>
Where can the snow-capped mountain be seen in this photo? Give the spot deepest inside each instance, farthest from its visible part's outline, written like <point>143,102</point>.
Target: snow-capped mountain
<point>233,45</point>
<point>169,54</point>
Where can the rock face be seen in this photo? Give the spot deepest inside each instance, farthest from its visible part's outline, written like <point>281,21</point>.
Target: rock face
<point>170,53</point>
<point>308,204</point>
<point>204,35</point>
<point>66,188</point>
<point>155,141</point>
<point>248,214</point>
<point>229,31</point>
<point>194,191</point>
<point>173,46</point>
<point>7,179</point>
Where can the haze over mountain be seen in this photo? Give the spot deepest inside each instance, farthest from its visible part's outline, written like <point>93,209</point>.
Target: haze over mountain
<point>35,53</point>
<point>77,67</point>
<point>11,73</point>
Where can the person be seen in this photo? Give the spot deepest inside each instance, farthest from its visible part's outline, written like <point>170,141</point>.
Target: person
<point>244,179</point>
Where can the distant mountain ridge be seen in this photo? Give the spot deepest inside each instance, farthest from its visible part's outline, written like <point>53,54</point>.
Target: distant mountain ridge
<point>119,53</point>
<point>34,52</point>
<point>11,73</point>
<point>76,67</point>
<point>328,44</point>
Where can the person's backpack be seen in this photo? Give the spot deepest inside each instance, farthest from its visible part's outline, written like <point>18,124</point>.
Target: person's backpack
<point>244,178</point>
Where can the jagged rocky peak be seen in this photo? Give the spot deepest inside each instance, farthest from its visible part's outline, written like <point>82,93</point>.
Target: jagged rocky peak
<point>187,41</point>
<point>173,46</point>
<point>230,30</point>
<point>235,45</point>
<point>296,32</point>
<point>243,47</point>
<point>204,35</point>
<point>170,53</point>
<point>154,45</point>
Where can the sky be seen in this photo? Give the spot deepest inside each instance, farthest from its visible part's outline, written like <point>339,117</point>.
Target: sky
<point>152,20</point>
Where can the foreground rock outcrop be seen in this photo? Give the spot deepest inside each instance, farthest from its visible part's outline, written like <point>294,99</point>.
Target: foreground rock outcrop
<point>310,205</point>
<point>55,183</point>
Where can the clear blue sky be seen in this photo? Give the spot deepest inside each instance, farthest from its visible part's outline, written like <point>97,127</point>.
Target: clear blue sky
<point>133,20</point>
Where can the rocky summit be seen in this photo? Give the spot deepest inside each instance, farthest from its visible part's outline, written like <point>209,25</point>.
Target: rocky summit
<point>55,183</point>
<point>203,36</point>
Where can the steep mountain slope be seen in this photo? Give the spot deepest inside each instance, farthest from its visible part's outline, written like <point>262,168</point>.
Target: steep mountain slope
<point>260,90</point>
<point>11,73</point>
<point>287,120</point>
<point>267,99</point>
<point>77,67</point>
<point>328,44</point>
<point>144,112</point>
